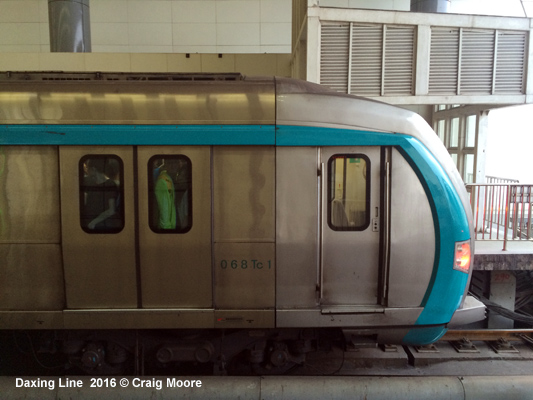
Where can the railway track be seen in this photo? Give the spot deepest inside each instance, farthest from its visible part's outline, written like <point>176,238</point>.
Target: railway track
<point>459,352</point>
<point>489,335</point>
<point>500,340</point>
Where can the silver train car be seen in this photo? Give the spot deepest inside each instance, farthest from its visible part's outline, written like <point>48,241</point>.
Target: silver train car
<point>215,217</point>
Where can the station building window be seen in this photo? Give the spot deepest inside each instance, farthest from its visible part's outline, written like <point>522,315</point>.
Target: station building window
<point>170,193</point>
<point>101,193</point>
<point>348,192</point>
<point>458,133</point>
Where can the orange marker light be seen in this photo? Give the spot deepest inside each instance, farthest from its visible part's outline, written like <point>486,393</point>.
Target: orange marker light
<point>462,256</point>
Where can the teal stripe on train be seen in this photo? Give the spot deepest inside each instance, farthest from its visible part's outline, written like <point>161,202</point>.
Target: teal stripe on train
<point>447,284</point>
<point>137,135</point>
<point>444,293</point>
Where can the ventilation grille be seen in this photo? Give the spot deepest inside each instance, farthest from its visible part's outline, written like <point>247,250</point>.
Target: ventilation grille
<point>475,61</point>
<point>369,60</point>
<point>335,42</point>
<point>510,62</point>
<point>367,57</point>
<point>444,61</point>
<point>379,60</point>
<point>477,58</point>
<point>399,58</point>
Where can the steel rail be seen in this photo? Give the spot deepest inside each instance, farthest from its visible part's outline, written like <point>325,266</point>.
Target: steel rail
<point>489,334</point>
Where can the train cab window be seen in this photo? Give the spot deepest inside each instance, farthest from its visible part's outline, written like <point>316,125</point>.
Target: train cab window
<point>170,193</point>
<point>101,193</point>
<point>348,192</point>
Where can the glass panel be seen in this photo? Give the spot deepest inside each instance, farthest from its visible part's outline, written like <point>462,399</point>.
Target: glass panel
<point>170,193</point>
<point>454,132</point>
<point>470,131</point>
<point>101,191</point>
<point>454,158</point>
<point>349,192</point>
<point>441,125</point>
<point>469,168</point>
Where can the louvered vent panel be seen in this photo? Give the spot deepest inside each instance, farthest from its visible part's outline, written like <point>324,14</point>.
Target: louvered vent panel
<point>444,61</point>
<point>367,54</point>
<point>399,59</point>
<point>477,55</point>
<point>335,40</point>
<point>510,62</point>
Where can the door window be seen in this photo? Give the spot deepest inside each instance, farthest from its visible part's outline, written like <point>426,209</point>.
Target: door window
<point>101,193</point>
<point>170,193</point>
<point>348,192</point>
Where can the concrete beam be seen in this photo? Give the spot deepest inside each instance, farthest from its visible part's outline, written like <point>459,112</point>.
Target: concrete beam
<point>412,18</point>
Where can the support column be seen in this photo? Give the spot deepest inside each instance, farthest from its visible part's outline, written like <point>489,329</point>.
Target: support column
<point>313,45</point>
<point>440,6</point>
<point>480,155</point>
<point>70,29</point>
<point>529,67</point>
<point>422,60</point>
<point>502,292</point>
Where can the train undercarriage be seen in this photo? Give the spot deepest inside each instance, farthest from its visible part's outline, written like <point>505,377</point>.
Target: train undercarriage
<point>156,352</point>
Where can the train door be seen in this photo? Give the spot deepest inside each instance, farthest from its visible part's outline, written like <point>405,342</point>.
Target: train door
<point>175,226</point>
<point>132,238</point>
<point>350,224</point>
<point>97,203</point>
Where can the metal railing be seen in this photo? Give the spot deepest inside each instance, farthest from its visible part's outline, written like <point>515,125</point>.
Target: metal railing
<point>502,211</point>
<point>495,179</point>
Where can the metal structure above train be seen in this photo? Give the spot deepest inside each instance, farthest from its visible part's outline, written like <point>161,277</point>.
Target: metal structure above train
<point>417,58</point>
<point>117,76</point>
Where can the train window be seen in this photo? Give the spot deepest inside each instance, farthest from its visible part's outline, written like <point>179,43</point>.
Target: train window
<point>348,192</point>
<point>170,193</point>
<point>101,193</point>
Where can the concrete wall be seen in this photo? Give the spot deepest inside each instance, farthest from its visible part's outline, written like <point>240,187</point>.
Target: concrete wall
<point>252,36</point>
<point>158,26</point>
<point>248,64</point>
<point>393,5</point>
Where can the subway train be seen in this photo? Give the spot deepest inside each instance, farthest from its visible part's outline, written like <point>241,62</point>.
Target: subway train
<point>219,219</point>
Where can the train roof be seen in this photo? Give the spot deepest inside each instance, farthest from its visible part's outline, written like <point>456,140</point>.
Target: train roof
<point>135,99</point>
<point>163,98</point>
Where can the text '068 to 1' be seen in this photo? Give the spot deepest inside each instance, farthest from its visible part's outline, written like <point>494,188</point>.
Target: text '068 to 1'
<point>245,264</point>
